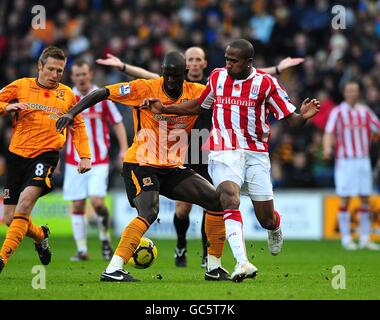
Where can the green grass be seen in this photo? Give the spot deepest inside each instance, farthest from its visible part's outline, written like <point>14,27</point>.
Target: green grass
<point>302,271</point>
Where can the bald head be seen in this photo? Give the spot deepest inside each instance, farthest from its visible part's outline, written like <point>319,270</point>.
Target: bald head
<point>174,60</point>
<point>195,51</point>
<point>195,63</point>
<point>245,47</point>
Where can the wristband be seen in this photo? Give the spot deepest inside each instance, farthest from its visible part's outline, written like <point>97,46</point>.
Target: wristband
<point>277,70</point>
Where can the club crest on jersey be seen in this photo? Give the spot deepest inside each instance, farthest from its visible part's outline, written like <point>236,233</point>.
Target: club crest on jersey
<point>124,89</point>
<point>255,91</point>
<point>6,194</point>
<point>147,182</point>
<point>60,94</point>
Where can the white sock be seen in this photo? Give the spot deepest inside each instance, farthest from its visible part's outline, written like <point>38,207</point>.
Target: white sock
<point>79,225</point>
<point>213,262</point>
<point>365,226</point>
<point>345,226</point>
<point>103,232</point>
<point>234,235</point>
<point>116,263</point>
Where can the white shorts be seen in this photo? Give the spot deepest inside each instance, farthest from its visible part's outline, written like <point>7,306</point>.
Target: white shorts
<point>248,169</point>
<point>353,177</point>
<point>80,186</point>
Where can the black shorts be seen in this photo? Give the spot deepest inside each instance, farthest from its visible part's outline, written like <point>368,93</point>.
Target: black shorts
<point>23,172</point>
<point>144,178</point>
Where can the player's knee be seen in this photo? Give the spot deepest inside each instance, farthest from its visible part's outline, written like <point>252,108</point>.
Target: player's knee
<point>78,206</point>
<point>97,203</point>
<point>101,210</point>
<point>229,201</point>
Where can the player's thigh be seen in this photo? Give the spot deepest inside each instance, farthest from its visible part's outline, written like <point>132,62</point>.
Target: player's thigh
<point>346,177</point>
<point>75,184</point>
<point>226,166</point>
<point>258,182</point>
<point>40,171</point>
<point>191,187</point>
<point>98,180</point>
<point>17,170</point>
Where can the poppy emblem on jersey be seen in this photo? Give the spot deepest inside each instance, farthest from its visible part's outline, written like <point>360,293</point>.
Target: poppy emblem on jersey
<point>60,95</point>
<point>6,194</point>
<point>237,87</point>
<point>124,89</point>
<point>46,94</point>
<point>147,182</point>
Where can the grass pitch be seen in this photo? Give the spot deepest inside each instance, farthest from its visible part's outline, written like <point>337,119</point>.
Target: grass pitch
<point>304,270</point>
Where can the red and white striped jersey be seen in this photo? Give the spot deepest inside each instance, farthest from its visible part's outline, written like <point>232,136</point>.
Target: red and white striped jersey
<point>97,119</point>
<point>352,127</point>
<point>241,108</point>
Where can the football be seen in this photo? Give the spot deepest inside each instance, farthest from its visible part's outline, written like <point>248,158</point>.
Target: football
<point>145,254</point>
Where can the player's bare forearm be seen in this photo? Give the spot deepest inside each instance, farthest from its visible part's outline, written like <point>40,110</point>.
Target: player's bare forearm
<point>190,107</point>
<point>91,99</point>
<point>309,109</point>
<point>296,120</point>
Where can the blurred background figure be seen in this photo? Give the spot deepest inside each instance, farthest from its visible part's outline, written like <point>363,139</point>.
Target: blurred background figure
<point>93,184</point>
<point>349,129</point>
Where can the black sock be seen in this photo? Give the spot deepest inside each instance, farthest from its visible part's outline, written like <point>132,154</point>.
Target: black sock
<point>181,226</point>
<point>204,237</point>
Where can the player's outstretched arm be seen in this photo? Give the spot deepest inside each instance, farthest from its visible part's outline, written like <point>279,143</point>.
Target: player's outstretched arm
<point>309,109</point>
<point>284,64</point>
<point>91,99</point>
<point>133,71</point>
<point>190,107</point>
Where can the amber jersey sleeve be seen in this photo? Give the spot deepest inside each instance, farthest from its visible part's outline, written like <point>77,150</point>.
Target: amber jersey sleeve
<point>34,129</point>
<point>161,140</point>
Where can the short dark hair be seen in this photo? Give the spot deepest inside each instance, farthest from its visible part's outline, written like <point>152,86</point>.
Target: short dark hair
<point>52,52</point>
<point>80,62</point>
<point>245,47</point>
<point>353,80</point>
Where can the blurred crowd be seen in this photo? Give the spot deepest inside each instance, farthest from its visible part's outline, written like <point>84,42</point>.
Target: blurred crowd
<point>141,32</point>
